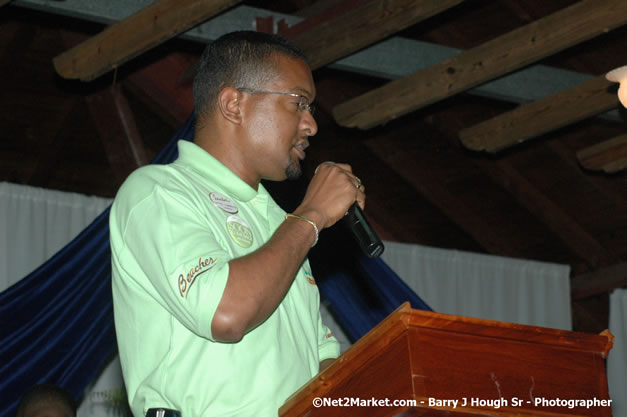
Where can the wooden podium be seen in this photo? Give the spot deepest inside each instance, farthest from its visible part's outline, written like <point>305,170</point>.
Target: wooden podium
<point>491,368</point>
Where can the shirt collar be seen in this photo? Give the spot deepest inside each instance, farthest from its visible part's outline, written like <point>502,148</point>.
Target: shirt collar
<point>202,162</point>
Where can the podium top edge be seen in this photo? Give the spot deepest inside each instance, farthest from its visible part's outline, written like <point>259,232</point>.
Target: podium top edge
<point>598,343</point>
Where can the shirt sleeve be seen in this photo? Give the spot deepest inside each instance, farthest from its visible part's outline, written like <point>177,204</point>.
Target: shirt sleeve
<point>182,262</point>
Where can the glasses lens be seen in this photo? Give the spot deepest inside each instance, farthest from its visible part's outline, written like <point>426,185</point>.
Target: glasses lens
<point>303,104</point>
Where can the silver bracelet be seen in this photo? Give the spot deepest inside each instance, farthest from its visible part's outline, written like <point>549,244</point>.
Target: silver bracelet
<point>296,216</point>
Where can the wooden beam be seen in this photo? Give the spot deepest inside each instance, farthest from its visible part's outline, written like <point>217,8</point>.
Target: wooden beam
<point>138,33</point>
<point>559,222</point>
<point>118,131</point>
<point>609,156</point>
<point>157,80</point>
<point>426,179</point>
<point>115,122</point>
<point>164,86</point>
<point>363,25</point>
<point>528,195</point>
<point>316,8</point>
<point>597,282</point>
<point>335,11</point>
<point>521,47</point>
<point>392,58</point>
<point>534,119</point>
<point>611,190</point>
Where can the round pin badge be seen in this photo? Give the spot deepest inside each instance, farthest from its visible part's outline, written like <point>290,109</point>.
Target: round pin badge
<point>223,202</point>
<point>240,231</point>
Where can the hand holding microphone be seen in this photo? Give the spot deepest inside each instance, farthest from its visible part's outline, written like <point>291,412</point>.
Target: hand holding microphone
<point>367,239</point>
<point>335,194</point>
<point>357,223</point>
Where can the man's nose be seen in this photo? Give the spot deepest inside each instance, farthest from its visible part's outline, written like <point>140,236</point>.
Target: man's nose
<point>309,124</point>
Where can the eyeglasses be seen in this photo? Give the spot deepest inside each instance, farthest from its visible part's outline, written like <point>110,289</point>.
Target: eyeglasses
<point>303,102</point>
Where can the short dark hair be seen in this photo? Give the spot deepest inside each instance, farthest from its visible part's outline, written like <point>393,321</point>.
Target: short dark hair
<point>45,396</point>
<point>238,59</point>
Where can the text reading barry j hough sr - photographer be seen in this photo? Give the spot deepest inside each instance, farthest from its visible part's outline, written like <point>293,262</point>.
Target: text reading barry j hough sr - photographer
<point>517,402</point>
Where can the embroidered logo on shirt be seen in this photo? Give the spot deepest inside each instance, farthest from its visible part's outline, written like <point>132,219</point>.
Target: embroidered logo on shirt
<point>240,231</point>
<point>310,279</point>
<point>186,282</point>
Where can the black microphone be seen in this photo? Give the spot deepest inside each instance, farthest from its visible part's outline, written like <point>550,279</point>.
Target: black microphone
<point>368,240</point>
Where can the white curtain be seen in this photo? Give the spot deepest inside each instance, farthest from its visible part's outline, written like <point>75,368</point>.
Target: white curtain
<point>36,223</point>
<point>617,359</point>
<point>485,286</point>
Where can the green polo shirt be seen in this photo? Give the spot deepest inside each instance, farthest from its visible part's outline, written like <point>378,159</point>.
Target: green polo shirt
<point>174,229</point>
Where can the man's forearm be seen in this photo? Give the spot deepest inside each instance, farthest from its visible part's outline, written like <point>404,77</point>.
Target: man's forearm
<point>258,281</point>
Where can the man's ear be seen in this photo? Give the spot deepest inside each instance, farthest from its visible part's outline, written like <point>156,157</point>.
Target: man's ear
<point>229,101</point>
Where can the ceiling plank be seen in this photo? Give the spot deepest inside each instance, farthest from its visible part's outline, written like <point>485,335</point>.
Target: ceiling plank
<point>114,11</point>
<point>391,58</point>
<point>333,11</point>
<point>348,32</point>
<point>607,185</point>
<point>138,33</point>
<point>111,11</point>
<point>164,87</point>
<point>570,26</point>
<point>542,116</point>
<point>600,281</point>
<point>317,8</point>
<point>557,220</point>
<point>609,156</point>
<point>121,138</point>
<point>425,179</point>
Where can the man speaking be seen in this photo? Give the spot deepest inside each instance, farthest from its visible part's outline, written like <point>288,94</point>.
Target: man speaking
<point>216,309</point>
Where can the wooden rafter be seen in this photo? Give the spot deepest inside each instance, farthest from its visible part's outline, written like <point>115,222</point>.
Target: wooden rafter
<point>391,58</point>
<point>317,8</point>
<point>138,33</point>
<point>559,222</point>
<point>600,281</point>
<point>162,84</point>
<point>348,32</point>
<point>609,156</point>
<point>313,33</point>
<point>118,131</point>
<point>423,178</point>
<point>608,189</point>
<point>542,116</point>
<point>523,46</point>
<point>115,122</point>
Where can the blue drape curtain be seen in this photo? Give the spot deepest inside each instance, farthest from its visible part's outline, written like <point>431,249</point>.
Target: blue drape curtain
<point>57,323</point>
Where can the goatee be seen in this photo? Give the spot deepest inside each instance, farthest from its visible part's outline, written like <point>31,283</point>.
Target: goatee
<point>293,171</point>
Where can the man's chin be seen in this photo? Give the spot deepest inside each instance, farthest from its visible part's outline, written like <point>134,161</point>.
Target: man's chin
<point>293,171</point>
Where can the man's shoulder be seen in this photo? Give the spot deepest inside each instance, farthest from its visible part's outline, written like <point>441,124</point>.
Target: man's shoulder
<point>142,181</point>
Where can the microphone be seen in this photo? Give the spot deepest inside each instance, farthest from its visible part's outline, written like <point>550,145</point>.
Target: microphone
<point>366,237</point>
